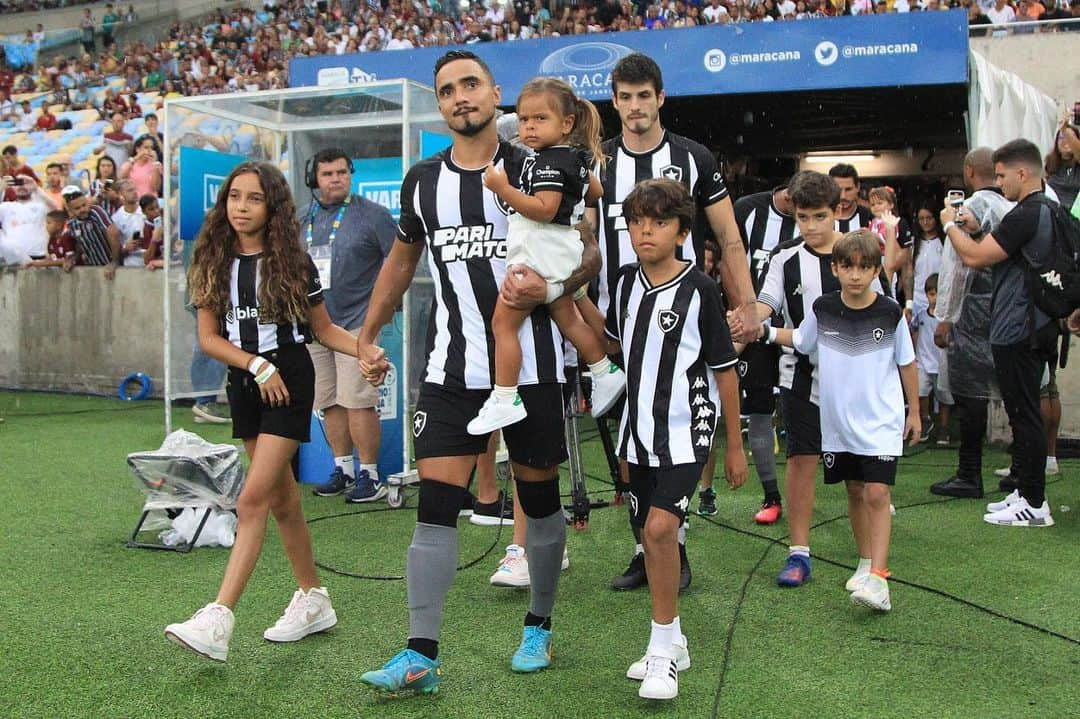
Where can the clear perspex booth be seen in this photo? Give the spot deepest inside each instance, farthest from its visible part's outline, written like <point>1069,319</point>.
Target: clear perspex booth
<point>385,126</point>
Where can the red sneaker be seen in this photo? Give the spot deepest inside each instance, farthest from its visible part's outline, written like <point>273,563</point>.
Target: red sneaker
<point>770,512</point>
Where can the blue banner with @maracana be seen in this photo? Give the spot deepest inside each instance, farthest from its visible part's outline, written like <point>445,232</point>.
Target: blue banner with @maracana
<point>918,48</point>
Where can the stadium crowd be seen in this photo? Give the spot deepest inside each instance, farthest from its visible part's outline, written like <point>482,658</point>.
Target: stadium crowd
<point>120,86</point>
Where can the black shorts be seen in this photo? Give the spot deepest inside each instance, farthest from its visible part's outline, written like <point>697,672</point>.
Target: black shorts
<point>252,417</point>
<point>442,413</point>
<point>802,420</point>
<point>846,467</point>
<point>668,488</point>
<point>759,372</point>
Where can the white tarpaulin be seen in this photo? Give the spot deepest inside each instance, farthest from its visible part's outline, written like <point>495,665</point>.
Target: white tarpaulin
<point>1002,107</point>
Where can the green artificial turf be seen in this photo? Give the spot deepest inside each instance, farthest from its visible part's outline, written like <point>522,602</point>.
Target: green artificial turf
<point>82,616</point>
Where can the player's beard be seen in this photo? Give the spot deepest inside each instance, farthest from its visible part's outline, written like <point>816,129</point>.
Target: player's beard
<point>471,129</point>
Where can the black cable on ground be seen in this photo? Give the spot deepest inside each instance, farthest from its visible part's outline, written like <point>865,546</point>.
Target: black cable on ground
<point>399,577</point>
<point>773,541</point>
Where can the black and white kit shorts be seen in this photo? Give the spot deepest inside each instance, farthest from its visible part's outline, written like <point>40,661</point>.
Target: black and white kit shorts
<point>667,488</point>
<point>848,467</point>
<point>802,419</point>
<point>442,413</point>
<point>252,417</point>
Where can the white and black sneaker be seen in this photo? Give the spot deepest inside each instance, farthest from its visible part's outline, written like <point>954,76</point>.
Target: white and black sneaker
<point>639,669</point>
<point>661,678</point>
<point>1012,498</point>
<point>1021,514</point>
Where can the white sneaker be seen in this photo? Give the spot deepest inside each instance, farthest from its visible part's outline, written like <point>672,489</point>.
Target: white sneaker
<point>606,390</point>
<point>565,560</point>
<point>661,679</point>
<point>1021,514</point>
<point>857,580</point>
<point>306,614</point>
<point>1052,466</point>
<point>1003,472</point>
<point>513,571</point>
<point>207,633</point>
<point>496,414</point>
<point>639,669</point>
<point>873,593</point>
<point>1013,498</point>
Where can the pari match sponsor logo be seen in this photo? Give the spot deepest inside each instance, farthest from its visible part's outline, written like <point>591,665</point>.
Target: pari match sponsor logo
<point>716,59</point>
<point>585,66</point>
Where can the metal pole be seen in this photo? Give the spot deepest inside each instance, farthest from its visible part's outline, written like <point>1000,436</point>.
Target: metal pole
<point>406,309</point>
<point>166,251</point>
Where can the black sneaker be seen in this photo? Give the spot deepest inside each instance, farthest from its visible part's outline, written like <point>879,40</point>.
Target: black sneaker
<point>501,511</point>
<point>634,576</point>
<point>1009,484</point>
<point>927,430</point>
<point>956,486</point>
<point>706,502</point>
<point>684,570</point>
<point>339,482</point>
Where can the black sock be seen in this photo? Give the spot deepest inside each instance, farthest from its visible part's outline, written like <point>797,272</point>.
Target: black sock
<point>531,620</point>
<point>428,647</point>
<point>772,492</point>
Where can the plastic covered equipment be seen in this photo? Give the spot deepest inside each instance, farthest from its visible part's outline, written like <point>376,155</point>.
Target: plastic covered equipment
<point>188,471</point>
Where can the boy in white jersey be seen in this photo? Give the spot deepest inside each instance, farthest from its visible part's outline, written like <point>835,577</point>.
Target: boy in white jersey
<point>859,338</point>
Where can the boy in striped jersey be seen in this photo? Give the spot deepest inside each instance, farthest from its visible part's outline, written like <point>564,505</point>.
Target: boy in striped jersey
<point>669,319</point>
<point>859,338</point>
<point>800,272</point>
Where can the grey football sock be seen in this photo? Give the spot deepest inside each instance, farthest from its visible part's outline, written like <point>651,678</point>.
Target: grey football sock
<point>545,539</point>
<point>761,447</point>
<point>430,568</point>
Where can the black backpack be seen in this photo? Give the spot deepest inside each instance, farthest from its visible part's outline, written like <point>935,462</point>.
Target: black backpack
<point>1054,283</point>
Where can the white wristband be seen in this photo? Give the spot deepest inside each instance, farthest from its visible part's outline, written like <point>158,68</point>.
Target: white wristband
<point>771,336</point>
<point>256,364</point>
<point>268,371</point>
<point>555,290</point>
<point>909,305</point>
<point>949,224</point>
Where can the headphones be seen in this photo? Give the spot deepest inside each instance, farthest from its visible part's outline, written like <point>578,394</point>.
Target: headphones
<point>322,156</point>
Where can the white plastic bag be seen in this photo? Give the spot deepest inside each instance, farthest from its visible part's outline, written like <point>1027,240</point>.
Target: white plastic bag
<point>219,531</point>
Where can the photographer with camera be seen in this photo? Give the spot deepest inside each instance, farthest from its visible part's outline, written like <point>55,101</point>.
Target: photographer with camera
<point>1020,332</point>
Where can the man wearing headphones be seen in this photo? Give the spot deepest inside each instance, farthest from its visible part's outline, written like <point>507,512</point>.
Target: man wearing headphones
<point>347,237</point>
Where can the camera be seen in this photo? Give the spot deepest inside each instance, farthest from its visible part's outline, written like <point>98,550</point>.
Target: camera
<point>18,180</point>
<point>955,198</point>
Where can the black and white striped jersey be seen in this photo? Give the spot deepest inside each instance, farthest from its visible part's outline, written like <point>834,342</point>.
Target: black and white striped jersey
<point>673,336</point>
<point>464,226</point>
<point>858,351</point>
<point>676,158</point>
<point>796,277</point>
<point>763,227</point>
<point>561,169</point>
<point>859,220</point>
<point>241,324</point>
<point>92,236</point>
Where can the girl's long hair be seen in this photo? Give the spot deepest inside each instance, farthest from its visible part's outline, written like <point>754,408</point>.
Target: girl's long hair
<point>587,128</point>
<point>283,285</point>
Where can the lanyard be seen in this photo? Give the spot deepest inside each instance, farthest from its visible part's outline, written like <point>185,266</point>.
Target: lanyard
<point>333,227</point>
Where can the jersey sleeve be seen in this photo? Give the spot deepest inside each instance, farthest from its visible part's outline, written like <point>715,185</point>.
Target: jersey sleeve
<point>772,288</point>
<point>612,326</point>
<point>410,227</point>
<point>715,338</point>
<point>315,291</point>
<point>804,337</point>
<point>904,236</point>
<point>902,346</point>
<point>1017,227</point>
<point>710,185</point>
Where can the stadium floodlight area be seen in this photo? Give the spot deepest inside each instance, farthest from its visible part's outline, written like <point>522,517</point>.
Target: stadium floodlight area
<point>384,126</point>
